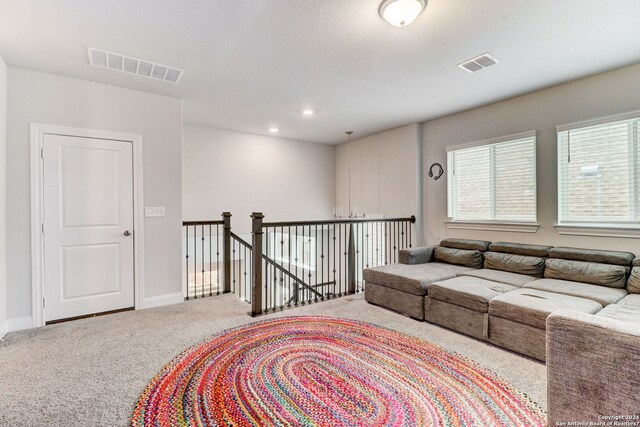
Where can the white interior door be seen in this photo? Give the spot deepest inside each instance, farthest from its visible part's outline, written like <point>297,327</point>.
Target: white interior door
<point>88,226</point>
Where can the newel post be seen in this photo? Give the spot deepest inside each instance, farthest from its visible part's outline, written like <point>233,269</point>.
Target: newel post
<point>226,250</point>
<point>256,244</point>
<point>351,262</point>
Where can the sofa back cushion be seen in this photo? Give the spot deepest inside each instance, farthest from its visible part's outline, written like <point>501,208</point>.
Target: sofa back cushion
<point>636,262</point>
<point>633,284</point>
<point>463,257</point>
<point>468,244</point>
<point>613,276</point>
<point>531,266</point>
<point>592,255</point>
<point>520,249</point>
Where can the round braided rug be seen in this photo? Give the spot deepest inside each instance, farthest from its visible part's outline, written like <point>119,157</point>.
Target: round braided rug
<point>323,371</point>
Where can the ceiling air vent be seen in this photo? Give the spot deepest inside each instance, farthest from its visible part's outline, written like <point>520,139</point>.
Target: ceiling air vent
<point>479,63</point>
<point>127,64</point>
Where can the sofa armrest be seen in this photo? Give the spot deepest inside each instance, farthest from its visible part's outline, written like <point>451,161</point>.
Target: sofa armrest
<point>592,368</point>
<point>416,255</point>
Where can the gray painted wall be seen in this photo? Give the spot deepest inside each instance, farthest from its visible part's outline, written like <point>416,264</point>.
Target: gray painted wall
<point>239,172</point>
<point>52,99</point>
<point>602,95</point>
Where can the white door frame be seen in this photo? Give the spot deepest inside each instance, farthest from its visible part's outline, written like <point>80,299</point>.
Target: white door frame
<point>38,131</point>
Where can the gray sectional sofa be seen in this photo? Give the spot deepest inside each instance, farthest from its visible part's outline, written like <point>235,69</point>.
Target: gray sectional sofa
<point>503,293</point>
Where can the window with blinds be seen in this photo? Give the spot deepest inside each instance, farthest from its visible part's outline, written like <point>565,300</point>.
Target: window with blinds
<point>599,173</point>
<point>493,181</point>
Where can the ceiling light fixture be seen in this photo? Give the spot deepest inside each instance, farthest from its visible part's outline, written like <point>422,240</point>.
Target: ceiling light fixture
<point>307,112</point>
<point>401,13</point>
<point>274,130</point>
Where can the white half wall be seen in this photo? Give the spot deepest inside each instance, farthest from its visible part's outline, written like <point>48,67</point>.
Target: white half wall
<point>602,95</point>
<point>3,198</point>
<point>53,99</point>
<point>378,173</point>
<point>243,173</point>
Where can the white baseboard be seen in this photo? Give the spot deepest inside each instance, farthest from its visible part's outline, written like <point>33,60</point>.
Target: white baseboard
<point>19,323</point>
<point>161,300</point>
<point>4,328</point>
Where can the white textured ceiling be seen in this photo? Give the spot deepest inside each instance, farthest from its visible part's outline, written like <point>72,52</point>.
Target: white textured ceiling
<point>253,64</point>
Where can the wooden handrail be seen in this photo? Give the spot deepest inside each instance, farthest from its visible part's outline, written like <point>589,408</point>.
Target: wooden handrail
<point>411,219</point>
<point>187,223</point>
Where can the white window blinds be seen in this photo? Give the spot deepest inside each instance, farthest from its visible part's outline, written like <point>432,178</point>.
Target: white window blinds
<point>598,173</point>
<point>493,181</point>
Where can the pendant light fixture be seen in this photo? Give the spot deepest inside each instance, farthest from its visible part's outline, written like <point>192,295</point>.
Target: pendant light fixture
<point>401,13</point>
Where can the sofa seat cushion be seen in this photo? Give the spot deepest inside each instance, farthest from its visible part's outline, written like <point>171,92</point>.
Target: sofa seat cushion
<point>600,294</point>
<point>625,313</point>
<point>513,279</point>
<point>631,299</point>
<point>532,307</point>
<point>412,279</point>
<point>470,292</point>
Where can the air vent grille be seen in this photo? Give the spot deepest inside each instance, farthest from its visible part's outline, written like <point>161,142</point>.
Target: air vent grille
<point>479,63</point>
<point>128,64</point>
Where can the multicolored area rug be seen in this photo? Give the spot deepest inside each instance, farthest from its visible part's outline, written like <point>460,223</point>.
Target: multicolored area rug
<point>323,371</point>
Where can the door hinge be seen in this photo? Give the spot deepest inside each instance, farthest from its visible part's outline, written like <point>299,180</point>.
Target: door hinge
<point>42,227</point>
<point>42,153</point>
<point>43,303</point>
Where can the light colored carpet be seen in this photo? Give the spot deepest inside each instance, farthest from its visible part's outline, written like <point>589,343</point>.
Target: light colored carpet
<point>91,371</point>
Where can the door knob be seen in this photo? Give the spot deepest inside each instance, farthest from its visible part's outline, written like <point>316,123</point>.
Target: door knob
<point>127,233</point>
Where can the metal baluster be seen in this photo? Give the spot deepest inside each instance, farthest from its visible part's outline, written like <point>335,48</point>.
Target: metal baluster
<point>186,245</point>
<point>410,240</point>
<point>210,263</point>
<point>334,261</point>
<point>246,290</point>
<point>233,268</point>
<point>395,240</point>
<point>295,285</point>
<point>315,257</point>
<point>195,262</point>
<point>202,260</point>
<point>217,259</point>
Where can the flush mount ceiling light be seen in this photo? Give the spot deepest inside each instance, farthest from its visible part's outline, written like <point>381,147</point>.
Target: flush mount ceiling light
<point>401,13</point>
<point>307,112</point>
<point>274,130</point>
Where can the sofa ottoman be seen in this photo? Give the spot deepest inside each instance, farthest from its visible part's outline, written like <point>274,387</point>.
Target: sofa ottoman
<point>517,319</point>
<point>462,304</point>
<point>402,287</point>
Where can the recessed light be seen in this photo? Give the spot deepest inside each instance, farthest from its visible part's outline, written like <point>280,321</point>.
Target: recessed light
<point>274,130</point>
<point>307,112</point>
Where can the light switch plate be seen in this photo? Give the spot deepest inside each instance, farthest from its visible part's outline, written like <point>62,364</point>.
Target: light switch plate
<point>152,212</point>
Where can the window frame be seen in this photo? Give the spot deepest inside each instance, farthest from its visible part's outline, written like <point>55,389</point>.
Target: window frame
<point>525,226</point>
<point>629,228</point>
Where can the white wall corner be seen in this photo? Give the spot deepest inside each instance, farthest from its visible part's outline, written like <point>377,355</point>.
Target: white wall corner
<point>162,300</point>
